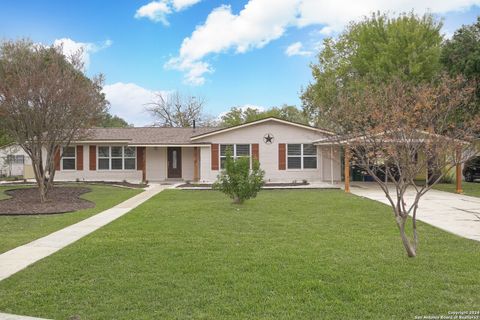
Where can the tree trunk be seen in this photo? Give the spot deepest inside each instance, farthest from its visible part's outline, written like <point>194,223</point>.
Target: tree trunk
<point>411,252</point>
<point>237,200</point>
<point>42,191</point>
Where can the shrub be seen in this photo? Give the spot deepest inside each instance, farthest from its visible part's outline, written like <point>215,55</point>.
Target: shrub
<point>238,181</point>
<point>449,177</point>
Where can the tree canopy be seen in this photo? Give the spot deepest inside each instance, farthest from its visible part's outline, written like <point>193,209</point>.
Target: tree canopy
<point>108,120</point>
<point>461,56</point>
<point>238,115</point>
<point>375,49</point>
<point>461,53</point>
<point>401,130</point>
<point>46,101</point>
<point>178,110</point>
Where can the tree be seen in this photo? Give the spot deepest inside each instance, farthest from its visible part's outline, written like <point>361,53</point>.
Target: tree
<point>47,102</point>
<point>177,110</point>
<point>238,115</point>
<point>377,48</point>
<point>461,54</point>
<point>400,130</point>
<point>4,138</point>
<point>112,121</point>
<point>237,180</point>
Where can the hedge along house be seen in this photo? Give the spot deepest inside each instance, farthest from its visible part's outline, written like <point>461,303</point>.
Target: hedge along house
<point>285,151</point>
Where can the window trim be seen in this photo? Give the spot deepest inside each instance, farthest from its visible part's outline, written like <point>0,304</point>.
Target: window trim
<point>302,156</point>
<point>110,158</point>
<point>234,153</point>
<point>65,158</point>
<point>13,159</point>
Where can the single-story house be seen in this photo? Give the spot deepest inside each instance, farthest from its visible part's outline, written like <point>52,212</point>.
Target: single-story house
<point>284,149</point>
<point>13,161</point>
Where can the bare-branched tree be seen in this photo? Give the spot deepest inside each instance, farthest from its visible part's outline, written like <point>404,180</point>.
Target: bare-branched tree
<point>46,102</point>
<point>177,110</point>
<point>399,131</point>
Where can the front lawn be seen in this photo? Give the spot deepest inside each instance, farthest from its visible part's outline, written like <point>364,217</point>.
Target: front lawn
<point>18,230</point>
<point>289,254</point>
<point>469,188</point>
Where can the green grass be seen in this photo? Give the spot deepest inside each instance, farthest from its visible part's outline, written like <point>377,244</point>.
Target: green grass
<point>3,196</point>
<point>469,188</point>
<point>18,230</point>
<point>289,254</point>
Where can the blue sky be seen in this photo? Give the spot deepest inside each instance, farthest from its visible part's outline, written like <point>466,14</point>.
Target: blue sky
<point>233,53</point>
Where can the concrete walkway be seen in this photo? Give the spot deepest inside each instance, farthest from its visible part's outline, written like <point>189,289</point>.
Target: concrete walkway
<point>6,316</point>
<point>455,213</point>
<point>19,258</point>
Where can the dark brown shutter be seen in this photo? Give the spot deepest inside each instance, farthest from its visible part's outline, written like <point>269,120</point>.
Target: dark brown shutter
<point>281,156</point>
<point>214,156</point>
<point>255,151</point>
<point>57,159</point>
<point>196,167</point>
<point>93,158</point>
<point>142,162</point>
<point>80,158</point>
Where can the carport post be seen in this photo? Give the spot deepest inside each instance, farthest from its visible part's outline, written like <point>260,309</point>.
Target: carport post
<point>347,169</point>
<point>459,170</point>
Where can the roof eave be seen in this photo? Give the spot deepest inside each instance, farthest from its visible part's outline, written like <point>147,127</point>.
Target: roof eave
<point>243,125</point>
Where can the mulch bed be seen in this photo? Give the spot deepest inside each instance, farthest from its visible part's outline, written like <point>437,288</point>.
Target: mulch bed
<point>25,201</point>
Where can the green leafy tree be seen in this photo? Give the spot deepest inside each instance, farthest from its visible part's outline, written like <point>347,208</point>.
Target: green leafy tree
<point>376,49</point>
<point>461,53</point>
<point>238,181</point>
<point>4,138</point>
<point>237,115</point>
<point>461,56</point>
<point>111,121</point>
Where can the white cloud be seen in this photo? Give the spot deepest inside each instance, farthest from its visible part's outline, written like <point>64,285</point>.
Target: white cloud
<point>243,108</point>
<point>128,101</point>
<point>262,21</point>
<point>157,11</point>
<point>71,47</point>
<point>295,49</point>
<point>256,25</point>
<point>334,15</point>
<point>183,4</point>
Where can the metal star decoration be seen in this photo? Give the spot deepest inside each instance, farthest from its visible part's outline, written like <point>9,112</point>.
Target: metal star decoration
<point>268,138</point>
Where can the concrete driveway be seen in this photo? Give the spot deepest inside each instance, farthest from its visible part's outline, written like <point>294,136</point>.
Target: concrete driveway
<point>455,213</point>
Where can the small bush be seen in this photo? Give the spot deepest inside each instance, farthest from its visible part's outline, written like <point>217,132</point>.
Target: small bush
<point>450,177</point>
<point>238,181</point>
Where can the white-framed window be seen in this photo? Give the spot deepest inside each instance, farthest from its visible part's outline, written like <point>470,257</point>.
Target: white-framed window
<point>116,158</point>
<point>238,151</point>
<point>69,158</point>
<point>15,159</point>
<point>301,156</point>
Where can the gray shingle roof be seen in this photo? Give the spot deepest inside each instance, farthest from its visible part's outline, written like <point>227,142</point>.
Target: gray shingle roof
<point>146,135</point>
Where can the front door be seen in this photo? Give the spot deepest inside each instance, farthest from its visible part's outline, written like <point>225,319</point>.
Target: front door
<point>174,159</point>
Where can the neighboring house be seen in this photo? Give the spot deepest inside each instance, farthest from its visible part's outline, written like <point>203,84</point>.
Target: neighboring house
<point>13,161</point>
<point>285,151</point>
